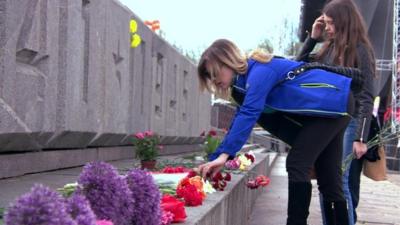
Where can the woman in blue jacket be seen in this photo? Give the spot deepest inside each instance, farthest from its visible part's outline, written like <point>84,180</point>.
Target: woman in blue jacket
<point>307,108</point>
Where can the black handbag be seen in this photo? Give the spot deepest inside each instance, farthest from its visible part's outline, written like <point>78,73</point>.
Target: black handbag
<point>372,154</point>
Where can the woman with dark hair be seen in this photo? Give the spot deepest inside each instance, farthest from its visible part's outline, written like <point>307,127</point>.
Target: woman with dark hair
<point>345,43</point>
<point>302,104</point>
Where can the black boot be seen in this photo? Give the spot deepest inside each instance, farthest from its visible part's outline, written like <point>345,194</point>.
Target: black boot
<point>299,202</point>
<point>336,213</point>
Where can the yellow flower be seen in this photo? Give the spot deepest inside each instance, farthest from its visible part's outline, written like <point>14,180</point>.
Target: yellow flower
<point>242,167</point>
<point>244,161</point>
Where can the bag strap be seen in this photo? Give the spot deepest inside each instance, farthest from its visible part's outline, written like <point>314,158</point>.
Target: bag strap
<point>294,73</point>
<point>353,73</point>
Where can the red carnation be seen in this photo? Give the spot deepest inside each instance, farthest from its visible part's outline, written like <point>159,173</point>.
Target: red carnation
<point>176,207</point>
<point>191,174</point>
<point>227,177</point>
<point>179,169</point>
<point>190,194</point>
<point>218,177</point>
<point>212,133</point>
<point>250,157</point>
<point>252,184</point>
<point>262,180</point>
<point>223,184</point>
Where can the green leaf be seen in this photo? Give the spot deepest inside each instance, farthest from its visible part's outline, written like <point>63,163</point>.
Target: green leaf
<point>2,210</point>
<point>68,189</point>
<point>190,157</point>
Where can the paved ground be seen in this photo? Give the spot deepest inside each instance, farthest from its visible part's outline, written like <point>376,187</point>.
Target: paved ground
<point>379,204</point>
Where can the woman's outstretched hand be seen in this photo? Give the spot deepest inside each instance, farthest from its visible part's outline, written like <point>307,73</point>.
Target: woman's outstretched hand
<point>214,166</point>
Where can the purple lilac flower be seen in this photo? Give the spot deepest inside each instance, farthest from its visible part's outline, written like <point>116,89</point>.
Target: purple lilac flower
<point>78,207</point>
<point>107,192</point>
<point>147,209</point>
<point>40,206</point>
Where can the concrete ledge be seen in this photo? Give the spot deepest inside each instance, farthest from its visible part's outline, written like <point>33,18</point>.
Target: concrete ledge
<point>70,139</point>
<point>12,165</point>
<point>232,206</point>
<point>17,142</point>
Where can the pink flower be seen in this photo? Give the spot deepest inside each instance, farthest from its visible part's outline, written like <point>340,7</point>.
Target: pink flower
<point>232,164</point>
<point>161,147</point>
<point>148,133</point>
<point>139,135</point>
<point>104,222</point>
<point>167,217</point>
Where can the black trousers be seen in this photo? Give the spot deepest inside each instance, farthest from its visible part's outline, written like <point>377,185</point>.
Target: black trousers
<point>315,142</point>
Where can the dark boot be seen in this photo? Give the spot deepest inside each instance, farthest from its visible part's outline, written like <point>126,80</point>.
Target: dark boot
<point>336,213</point>
<point>299,202</point>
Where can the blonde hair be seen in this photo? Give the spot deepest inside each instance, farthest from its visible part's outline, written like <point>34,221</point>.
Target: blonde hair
<point>224,53</point>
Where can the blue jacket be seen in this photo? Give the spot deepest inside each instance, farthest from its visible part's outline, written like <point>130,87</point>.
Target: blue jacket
<point>314,92</point>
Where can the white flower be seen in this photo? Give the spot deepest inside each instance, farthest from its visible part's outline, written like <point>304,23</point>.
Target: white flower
<point>71,185</point>
<point>207,187</point>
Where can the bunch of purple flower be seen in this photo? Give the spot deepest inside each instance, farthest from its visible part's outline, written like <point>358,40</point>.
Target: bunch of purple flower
<point>78,207</point>
<point>147,209</point>
<point>107,192</point>
<point>40,206</point>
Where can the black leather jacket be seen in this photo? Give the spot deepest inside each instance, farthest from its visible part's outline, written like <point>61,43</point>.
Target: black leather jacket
<point>364,98</point>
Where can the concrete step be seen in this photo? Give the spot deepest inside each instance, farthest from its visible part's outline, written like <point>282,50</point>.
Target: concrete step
<point>234,205</point>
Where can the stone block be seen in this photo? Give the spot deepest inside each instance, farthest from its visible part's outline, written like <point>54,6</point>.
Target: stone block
<point>108,139</point>
<point>12,165</point>
<point>69,139</point>
<point>69,78</point>
<point>10,142</point>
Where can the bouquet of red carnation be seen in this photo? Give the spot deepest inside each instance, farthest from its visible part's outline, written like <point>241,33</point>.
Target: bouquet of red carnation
<point>220,180</point>
<point>191,190</point>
